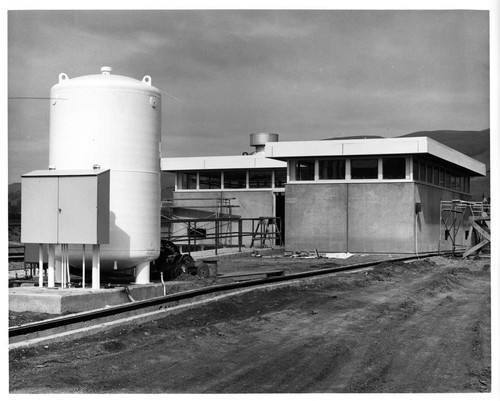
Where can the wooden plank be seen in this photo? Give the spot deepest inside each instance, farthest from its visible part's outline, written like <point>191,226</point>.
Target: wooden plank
<point>476,247</point>
<point>481,230</point>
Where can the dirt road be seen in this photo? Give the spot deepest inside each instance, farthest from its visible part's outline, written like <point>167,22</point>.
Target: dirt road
<point>404,327</point>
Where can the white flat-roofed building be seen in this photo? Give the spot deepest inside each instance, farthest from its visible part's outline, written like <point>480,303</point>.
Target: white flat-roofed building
<point>247,186</point>
<point>376,195</point>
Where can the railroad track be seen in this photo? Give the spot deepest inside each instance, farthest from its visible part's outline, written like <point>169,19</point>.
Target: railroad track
<point>36,332</point>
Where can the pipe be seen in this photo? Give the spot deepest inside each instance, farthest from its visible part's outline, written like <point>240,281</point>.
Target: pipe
<point>40,265</point>
<point>163,283</point>
<point>51,266</point>
<point>67,265</point>
<point>129,295</point>
<point>96,267</point>
<point>63,268</point>
<point>83,266</point>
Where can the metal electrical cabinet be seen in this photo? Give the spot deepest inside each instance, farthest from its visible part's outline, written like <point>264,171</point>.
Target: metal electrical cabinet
<point>65,207</point>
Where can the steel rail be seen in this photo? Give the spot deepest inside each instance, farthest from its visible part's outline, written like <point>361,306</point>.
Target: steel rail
<point>82,317</point>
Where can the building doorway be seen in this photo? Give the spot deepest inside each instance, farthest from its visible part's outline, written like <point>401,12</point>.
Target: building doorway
<point>279,208</point>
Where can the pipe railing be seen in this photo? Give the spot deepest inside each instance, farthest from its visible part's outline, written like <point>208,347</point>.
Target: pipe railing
<point>214,230</point>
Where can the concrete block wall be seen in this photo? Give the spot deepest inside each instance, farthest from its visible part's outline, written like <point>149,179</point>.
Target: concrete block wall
<point>316,217</point>
<point>365,217</point>
<point>381,218</point>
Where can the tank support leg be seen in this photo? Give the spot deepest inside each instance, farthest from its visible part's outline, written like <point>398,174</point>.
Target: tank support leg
<point>142,273</point>
<point>96,267</point>
<point>51,266</point>
<point>40,265</point>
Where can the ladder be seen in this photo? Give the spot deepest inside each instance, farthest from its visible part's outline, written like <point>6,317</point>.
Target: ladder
<point>265,229</point>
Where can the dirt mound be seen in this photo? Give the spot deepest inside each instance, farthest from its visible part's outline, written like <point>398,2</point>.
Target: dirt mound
<point>447,300</point>
<point>407,308</point>
<point>444,281</point>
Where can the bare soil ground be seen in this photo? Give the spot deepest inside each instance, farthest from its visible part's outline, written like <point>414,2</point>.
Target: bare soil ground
<point>401,327</point>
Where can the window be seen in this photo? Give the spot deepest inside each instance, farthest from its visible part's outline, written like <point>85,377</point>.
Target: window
<point>210,180</point>
<point>435,175</point>
<point>331,169</point>
<point>364,169</point>
<point>429,174</point>
<point>415,170</point>
<point>460,183</point>
<point>304,170</point>
<point>260,178</point>
<point>279,178</point>
<point>447,179</point>
<point>394,168</point>
<point>422,171</point>
<point>235,179</point>
<point>441,177</point>
<point>187,180</point>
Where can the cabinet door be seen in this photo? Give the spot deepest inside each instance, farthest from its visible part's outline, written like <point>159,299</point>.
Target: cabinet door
<point>39,210</point>
<point>78,210</point>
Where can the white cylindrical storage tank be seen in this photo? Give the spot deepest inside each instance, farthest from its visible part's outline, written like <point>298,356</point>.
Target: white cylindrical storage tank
<point>113,122</point>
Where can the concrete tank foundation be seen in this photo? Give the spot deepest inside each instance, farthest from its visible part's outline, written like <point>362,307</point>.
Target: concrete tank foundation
<point>59,301</point>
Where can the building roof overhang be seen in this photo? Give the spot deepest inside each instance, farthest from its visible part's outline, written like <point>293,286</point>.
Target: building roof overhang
<point>251,161</point>
<point>373,147</point>
<point>66,173</point>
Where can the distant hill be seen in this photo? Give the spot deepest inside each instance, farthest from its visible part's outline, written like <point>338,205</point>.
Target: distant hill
<point>14,187</point>
<point>471,143</point>
<point>475,144</point>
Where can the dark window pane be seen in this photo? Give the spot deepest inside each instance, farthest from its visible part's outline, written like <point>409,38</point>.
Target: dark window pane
<point>364,168</point>
<point>422,171</point>
<point>394,168</point>
<point>332,169</point>
<point>460,183</point>
<point>187,180</point>
<point>260,178</point>
<point>435,176</point>
<point>279,178</point>
<point>447,178</point>
<point>210,180</point>
<point>415,170</point>
<point>441,177</point>
<point>235,179</point>
<point>429,174</point>
<point>304,170</point>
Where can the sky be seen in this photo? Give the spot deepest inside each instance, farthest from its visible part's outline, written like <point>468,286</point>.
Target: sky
<point>224,74</point>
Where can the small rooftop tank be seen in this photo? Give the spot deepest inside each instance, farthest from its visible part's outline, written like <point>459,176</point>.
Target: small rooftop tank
<point>260,139</point>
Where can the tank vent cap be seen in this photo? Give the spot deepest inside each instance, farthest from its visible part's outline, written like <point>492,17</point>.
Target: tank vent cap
<point>106,70</point>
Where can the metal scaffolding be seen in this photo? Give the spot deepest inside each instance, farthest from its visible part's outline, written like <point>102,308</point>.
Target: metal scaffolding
<point>472,217</point>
